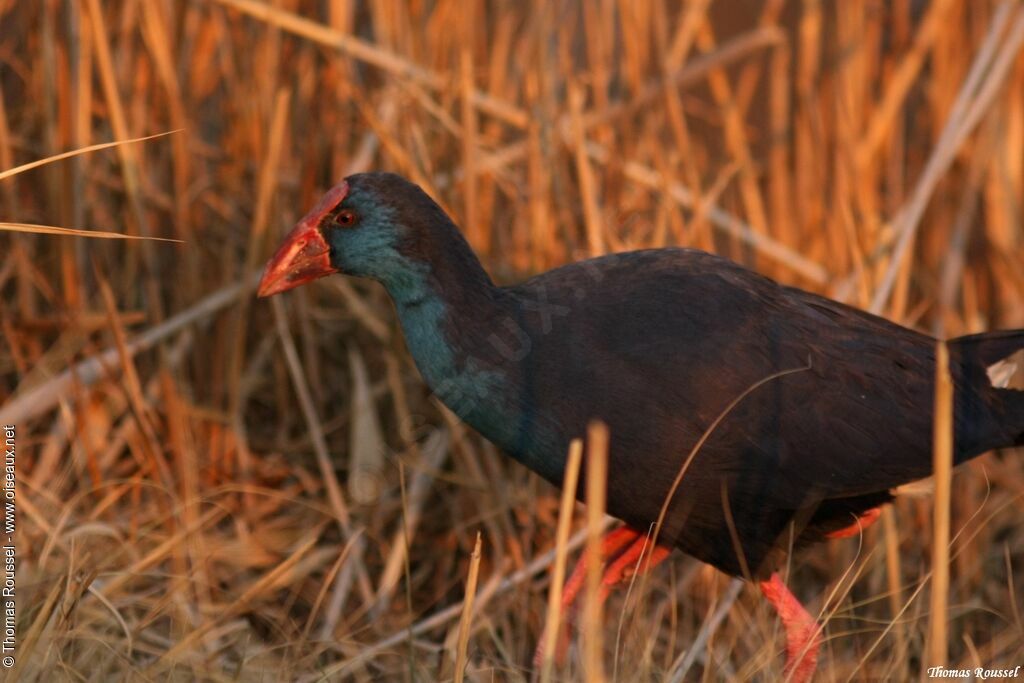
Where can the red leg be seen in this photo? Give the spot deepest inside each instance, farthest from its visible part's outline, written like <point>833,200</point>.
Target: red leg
<point>855,529</point>
<point>803,637</point>
<point>620,552</point>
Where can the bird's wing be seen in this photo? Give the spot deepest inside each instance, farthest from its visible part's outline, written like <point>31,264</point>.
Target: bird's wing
<point>662,342</point>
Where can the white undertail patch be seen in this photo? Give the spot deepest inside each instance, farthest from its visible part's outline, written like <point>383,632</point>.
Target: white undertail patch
<point>921,488</point>
<point>1001,373</point>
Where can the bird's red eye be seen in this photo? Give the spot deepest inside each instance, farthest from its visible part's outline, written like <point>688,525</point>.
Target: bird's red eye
<point>345,218</point>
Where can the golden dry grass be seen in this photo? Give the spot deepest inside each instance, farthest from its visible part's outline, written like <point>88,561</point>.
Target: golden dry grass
<point>217,488</point>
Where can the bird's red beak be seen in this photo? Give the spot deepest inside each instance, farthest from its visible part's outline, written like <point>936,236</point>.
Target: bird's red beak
<point>304,255</point>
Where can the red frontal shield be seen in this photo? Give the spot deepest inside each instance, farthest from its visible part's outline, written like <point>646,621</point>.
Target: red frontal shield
<point>304,255</point>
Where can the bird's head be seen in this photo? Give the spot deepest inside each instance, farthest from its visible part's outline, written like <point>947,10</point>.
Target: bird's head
<point>369,225</point>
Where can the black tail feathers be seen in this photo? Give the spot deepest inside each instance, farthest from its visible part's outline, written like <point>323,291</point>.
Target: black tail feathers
<point>981,351</point>
<point>987,348</point>
<point>1013,400</point>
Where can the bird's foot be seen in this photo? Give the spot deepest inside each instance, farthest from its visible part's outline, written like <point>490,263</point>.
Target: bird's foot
<point>625,553</point>
<point>803,633</point>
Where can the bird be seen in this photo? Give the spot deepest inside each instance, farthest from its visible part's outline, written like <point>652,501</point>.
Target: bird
<point>808,413</point>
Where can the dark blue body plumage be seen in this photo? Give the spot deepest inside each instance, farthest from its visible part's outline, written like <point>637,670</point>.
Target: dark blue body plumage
<point>657,344</point>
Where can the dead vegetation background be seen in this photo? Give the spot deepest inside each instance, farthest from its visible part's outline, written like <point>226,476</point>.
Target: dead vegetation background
<point>217,488</point>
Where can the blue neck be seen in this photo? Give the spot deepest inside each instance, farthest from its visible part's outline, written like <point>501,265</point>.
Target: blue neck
<point>424,317</point>
<point>451,342</point>
<point>442,336</point>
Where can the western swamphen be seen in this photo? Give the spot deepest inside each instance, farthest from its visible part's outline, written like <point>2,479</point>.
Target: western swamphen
<point>657,344</point>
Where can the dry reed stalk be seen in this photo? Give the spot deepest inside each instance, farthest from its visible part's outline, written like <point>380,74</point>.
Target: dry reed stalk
<point>161,552</point>
<point>43,397</point>
<point>539,178</point>
<point>780,190</point>
<point>77,152</point>
<point>159,41</point>
<point>475,231</point>
<point>316,431</point>
<point>681,43</point>
<point>808,167</point>
<point>943,467</point>
<point>716,614</point>
<point>141,409</point>
<point>435,452</point>
<point>369,53</point>
<point>893,573</point>
<point>269,170</point>
<point>367,446</point>
<point>881,123</point>
<point>328,581</point>
<point>118,118</point>
<point>466,620</point>
<point>35,632</point>
<point>728,223</point>
<point>973,100</point>
<point>6,156</point>
<point>685,76</point>
<point>406,568</point>
<point>965,542</point>
<point>183,647</point>
<point>193,554</point>
<point>735,137</point>
<point>361,310</point>
<point>591,209</point>
<point>130,170</point>
<point>392,144</point>
<point>592,628</point>
<point>552,622</point>
<point>74,232</point>
<point>598,57</point>
<point>495,586</point>
<point>747,83</point>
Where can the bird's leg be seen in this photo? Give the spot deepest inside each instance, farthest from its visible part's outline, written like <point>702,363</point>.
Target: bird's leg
<point>855,529</point>
<point>803,637</point>
<point>621,551</point>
